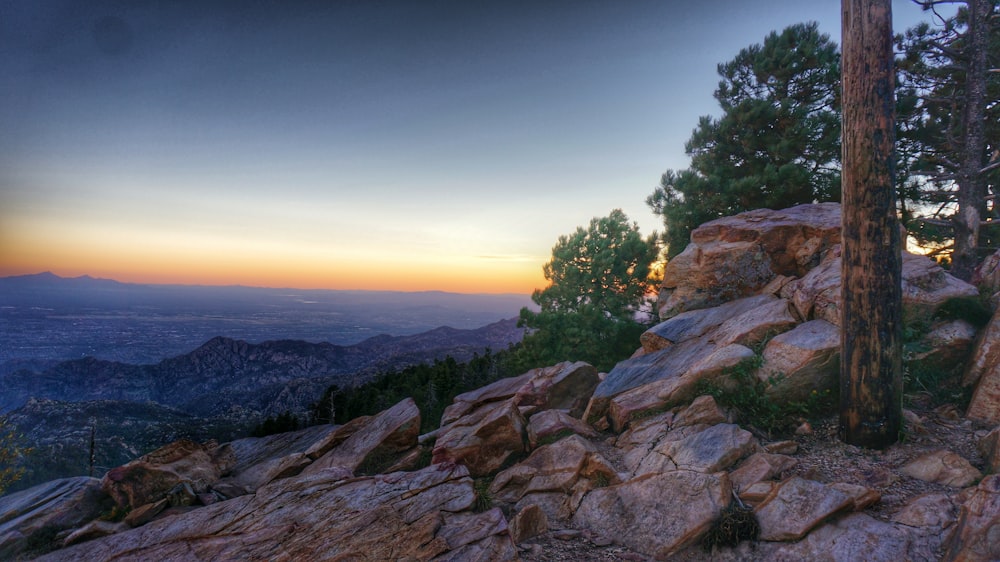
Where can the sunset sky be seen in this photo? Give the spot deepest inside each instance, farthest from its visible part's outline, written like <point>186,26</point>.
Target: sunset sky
<point>404,145</point>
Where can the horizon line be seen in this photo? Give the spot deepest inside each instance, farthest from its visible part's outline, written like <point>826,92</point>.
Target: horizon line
<point>86,276</point>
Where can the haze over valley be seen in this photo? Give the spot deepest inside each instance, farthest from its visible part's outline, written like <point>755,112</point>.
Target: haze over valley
<point>47,318</point>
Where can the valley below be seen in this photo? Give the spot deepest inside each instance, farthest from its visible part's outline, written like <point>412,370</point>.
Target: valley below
<point>138,366</point>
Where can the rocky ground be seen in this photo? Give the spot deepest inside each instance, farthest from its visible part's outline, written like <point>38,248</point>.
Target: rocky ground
<point>823,457</point>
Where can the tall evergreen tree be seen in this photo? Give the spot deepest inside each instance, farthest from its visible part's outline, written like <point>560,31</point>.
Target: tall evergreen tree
<point>776,144</point>
<point>949,102</point>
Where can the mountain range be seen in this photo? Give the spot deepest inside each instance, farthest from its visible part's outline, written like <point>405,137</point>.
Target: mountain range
<point>266,378</point>
<point>219,391</point>
<point>226,384</point>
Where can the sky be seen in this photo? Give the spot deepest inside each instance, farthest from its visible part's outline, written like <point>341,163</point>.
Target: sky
<point>382,145</point>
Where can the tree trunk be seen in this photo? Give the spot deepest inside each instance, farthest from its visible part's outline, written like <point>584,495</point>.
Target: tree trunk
<point>971,187</point>
<point>871,327</point>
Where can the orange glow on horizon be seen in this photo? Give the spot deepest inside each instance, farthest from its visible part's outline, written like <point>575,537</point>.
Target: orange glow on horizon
<point>468,281</point>
<point>166,257</point>
<point>474,276</point>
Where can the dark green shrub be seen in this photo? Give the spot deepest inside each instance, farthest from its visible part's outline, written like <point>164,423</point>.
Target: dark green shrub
<point>484,499</point>
<point>971,309</point>
<point>753,407</point>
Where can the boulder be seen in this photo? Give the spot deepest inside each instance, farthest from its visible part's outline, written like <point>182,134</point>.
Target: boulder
<point>942,467</point>
<point>754,326</point>
<point>334,437</point>
<point>636,454</point>
<point>645,432</point>
<point>983,371</point>
<point>502,389</point>
<point>260,460</point>
<point>948,346</point>
<point>47,508</point>
<point>551,425</point>
<point>377,443</point>
<point>989,447</point>
<point>926,286</point>
<point>528,523</point>
<point>858,536</point>
<point>263,473</point>
<point>697,323</point>
<point>553,468</point>
<point>662,379</point>
<point>404,515</point>
<point>932,510</point>
<point>483,440</point>
<point>472,536</point>
<point>758,467</point>
<point>484,428</point>
<point>253,450</point>
<point>816,295</point>
<point>565,386</point>
<point>149,478</point>
<point>796,507</point>
<point>986,276</point>
<point>786,447</point>
<point>861,496</point>
<point>702,410</point>
<point>802,360</point>
<point>977,533</point>
<point>710,450</point>
<point>986,353</point>
<point>656,514</point>
<point>758,491</point>
<point>985,404</point>
<point>737,256</point>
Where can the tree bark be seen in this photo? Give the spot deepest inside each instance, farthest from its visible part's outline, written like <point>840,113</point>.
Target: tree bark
<point>971,187</point>
<point>871,327</point>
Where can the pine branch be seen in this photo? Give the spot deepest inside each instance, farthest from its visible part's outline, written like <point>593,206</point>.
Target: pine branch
<point>990,168</point>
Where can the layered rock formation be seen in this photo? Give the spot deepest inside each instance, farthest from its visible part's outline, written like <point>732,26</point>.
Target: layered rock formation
<point>719,304</point>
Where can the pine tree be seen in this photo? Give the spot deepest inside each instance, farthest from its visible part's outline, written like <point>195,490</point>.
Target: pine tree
<point>600,279</point>
<point>950,127</point>
<point>776,144</point>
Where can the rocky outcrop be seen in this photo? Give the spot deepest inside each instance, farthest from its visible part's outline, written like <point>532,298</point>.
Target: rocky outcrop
<point>737,256</point>
<point>484,429</point>
<point>550,425</point>
<point>569,467</point>
<point>47,509</point>
<point>418,515</point>
<point>774,277</point>
<point>377,443</point>
<point>484,440</point>
<point>149,478</point>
